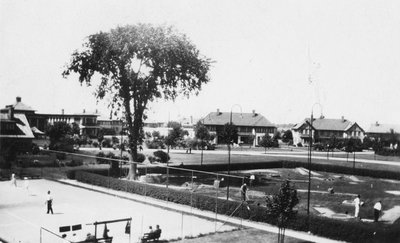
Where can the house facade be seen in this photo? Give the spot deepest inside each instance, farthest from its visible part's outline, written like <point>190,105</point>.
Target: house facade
<point>326,129</point>
<point>251,126</point>
<point>15,132</point>
<point>87,122</point>
<point>382,132</point>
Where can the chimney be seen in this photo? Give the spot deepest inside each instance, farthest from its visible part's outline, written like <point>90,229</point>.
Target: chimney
<point>343,119</point>
<point>84,111</point>
<point>10,111</point>
<point>62,111</point>
<point>377,123</point>
<point>96,111</point>
<point>18,99</point>
<point>218,113</point>
<point>254,112</point>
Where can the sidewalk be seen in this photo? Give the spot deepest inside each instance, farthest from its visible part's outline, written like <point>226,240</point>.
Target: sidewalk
<point>203,214</point>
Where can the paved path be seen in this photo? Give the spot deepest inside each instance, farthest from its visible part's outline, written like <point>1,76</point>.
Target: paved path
<point>205,214</point>
<point>301,155</point>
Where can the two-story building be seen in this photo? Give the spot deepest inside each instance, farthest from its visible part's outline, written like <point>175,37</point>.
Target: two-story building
<point>251,126</point>
<point>382,132</point>
<point>15,132</point>
<point>86,121</point>
<point>325,129</point>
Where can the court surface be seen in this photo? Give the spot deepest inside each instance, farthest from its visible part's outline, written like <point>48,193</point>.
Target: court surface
<point>23,212</point>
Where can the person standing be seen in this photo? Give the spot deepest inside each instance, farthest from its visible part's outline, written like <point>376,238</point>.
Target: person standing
<point>357,203</point>
<point>377,210</point>
<point>26,184</point>
<point>243,191</point>
<point>49,201</point>
<point>13,180</point>
<point>252,178</point>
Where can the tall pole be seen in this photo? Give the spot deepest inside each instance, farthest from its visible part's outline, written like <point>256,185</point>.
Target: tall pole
<point>309,171</point>
<point>120,146</point>
<point>229,160</point>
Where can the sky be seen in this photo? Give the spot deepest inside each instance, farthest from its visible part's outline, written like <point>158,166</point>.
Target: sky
<point>283,59</point>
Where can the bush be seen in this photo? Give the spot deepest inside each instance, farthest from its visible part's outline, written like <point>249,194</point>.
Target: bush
<point>299,145</point>
<point>384,151</point>
<point>99,159</point>
<point>161,156</point>
<point>95,144</point>
<point>155,144</point>
<point>106,143</point>
<point>35,148</point>
<point>152,159</point>
<point>74,162</point>
<point>61,156</point>
<point>140,158</point>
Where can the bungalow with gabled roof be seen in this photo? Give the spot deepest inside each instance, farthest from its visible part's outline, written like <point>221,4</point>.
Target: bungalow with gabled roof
<point>251,126</point>
<point>382,131</point>
<point>325,129</point>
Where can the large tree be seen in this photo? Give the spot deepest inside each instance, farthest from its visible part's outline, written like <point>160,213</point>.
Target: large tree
<point>137,64</point>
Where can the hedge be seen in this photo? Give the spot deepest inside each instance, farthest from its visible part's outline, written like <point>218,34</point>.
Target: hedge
<point>332,168</point>
<point>352,231</point>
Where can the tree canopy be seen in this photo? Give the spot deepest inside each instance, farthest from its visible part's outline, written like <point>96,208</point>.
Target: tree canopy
<point>229,133</point>
<point>137,64</point>
<point>202,133</point>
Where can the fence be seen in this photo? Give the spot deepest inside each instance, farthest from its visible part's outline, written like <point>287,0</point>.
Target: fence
<point>156,180</point>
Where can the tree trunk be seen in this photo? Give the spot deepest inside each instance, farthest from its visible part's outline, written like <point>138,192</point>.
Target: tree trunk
<point>201,161</point>
<point>132,159</point>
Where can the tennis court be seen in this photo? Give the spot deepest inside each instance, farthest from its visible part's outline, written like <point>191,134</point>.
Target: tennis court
<point>23,213</point>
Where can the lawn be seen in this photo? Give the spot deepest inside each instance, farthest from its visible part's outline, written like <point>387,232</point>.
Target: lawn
<point>244,235</point>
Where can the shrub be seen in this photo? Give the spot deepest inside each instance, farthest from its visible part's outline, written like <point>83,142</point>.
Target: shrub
<point>74,162</point>
<point>106,143</point>
<point>99,159</point>
<point>152,159</point>
<point>61,156</point>
<point>155,144</point>
<point>161,156</point>
<point>95,144</point>
<point>299,145</point>
<point>35,148</point>
<point>140,158</point>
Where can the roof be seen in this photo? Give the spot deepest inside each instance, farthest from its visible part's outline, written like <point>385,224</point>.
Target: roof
<point>23,128</point>
<point>239,119</point>
<point>35,130</point>
<point>327,124</point>
<point>383,128</point>
<point>19,106</point>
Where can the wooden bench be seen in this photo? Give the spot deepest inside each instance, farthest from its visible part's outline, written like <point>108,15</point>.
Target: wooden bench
<point>154,236</point>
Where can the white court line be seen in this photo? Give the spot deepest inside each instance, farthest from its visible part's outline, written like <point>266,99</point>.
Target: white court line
<point>22,219</point>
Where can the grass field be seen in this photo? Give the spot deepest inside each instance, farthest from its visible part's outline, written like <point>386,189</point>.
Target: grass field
<point>240,236</point>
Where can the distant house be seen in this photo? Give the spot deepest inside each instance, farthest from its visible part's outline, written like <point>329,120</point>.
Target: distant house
<point>87,121</point>
<point>325,129</point>
<point>15,131</point>
<point>382,131</point>
<point>251,126</point>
